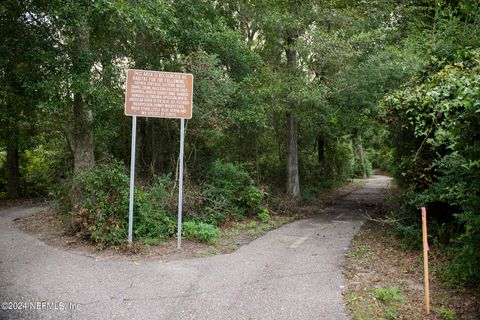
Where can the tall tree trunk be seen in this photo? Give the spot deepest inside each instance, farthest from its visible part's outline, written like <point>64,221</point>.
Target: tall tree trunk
<point>361,155</point>
<point>83,156</point>
<point>13,167</point>
<point>82,136</point>
<point>293,179</point>
<point>83,147</point>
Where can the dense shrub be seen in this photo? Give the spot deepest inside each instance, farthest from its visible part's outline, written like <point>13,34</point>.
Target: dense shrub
<point>339,160</point>
<point>263,215</point>
<point>358,170</point>
<point>436,128</point>
<point>230,193</point>
<point>381,158</point>
<point>102,195</point>
<point>333,170</point>
<point>102,203</point>
<point>38,168</point>
<point>201,231</point>
<point>152,222</point>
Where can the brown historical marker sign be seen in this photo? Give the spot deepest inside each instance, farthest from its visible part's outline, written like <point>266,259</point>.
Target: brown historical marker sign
<point>159,94</point>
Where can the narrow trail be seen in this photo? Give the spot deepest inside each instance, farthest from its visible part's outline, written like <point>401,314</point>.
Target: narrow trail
<point>294,272</point>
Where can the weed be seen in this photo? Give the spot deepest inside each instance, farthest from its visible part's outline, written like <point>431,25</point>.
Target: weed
<point>251,233</point>
<point>202,232</point>
<point>447,314</point>
<point>231,233</point>
<point>241,226</point>
<point>263,215</point>
<point>389,295</point>
<point>252,225</point>
<point>265,227</point>
<point>233,246</point>
<point>352,297</point>
<point>391,314</point>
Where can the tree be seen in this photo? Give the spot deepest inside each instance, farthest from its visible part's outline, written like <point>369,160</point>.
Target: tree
<point>20,71</point>
<point>436,124</point>
<point>282,26</point>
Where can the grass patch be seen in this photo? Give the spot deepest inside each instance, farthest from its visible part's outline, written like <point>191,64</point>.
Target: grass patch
<point>385,281</point>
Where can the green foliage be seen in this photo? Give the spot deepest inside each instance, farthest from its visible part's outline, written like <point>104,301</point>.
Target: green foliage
<point>230,193</point>
<point>391,314</point>
<point>22,68</point>
<point>236,51</point>
<point>446,313</point>
<point>263,215</point>
<point>381,158</point>
<point>410,232</point>
<point>335,169</point>
<point>60,60</point>
<point>465,249</point>
<point>37,171</point>
<point>437,125</point>
<point>357,168</point>
<point>201,231</point>
<point>152,223</point>
<point>102,203</point>
<point>339,160</point>
<point>102,195</point>
<point>389,295</point>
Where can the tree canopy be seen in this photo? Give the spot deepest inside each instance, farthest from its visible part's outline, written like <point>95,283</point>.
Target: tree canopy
<point>290,98</point>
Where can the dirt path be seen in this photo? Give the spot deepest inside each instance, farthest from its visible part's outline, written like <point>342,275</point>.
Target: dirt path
<point>293,272</point>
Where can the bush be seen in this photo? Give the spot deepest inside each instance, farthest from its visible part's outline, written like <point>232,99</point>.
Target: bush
<point>38,168</point>
<point>102,197</point>
<point>152,223</point>
<point>389,295</point>
<point>357,168</point>
<point>263,215</point>
<point>335,169</point>
<point>101,213</point>
<point>464,267</point>
<point>435,131</point>
<point>230,193</point>
<point>381,159</point>
<point>37,171</point>
<point>447,314</point>
<point>201,231</point>
<point>101,209</point>
<point>339,160</point>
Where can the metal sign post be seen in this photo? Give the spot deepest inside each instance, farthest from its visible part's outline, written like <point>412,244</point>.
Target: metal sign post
<point>132,179</point>
<point>180,185</point>
<point>158,94</point>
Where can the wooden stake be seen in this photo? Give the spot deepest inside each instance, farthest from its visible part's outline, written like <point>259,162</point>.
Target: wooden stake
<point>425,260</point>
